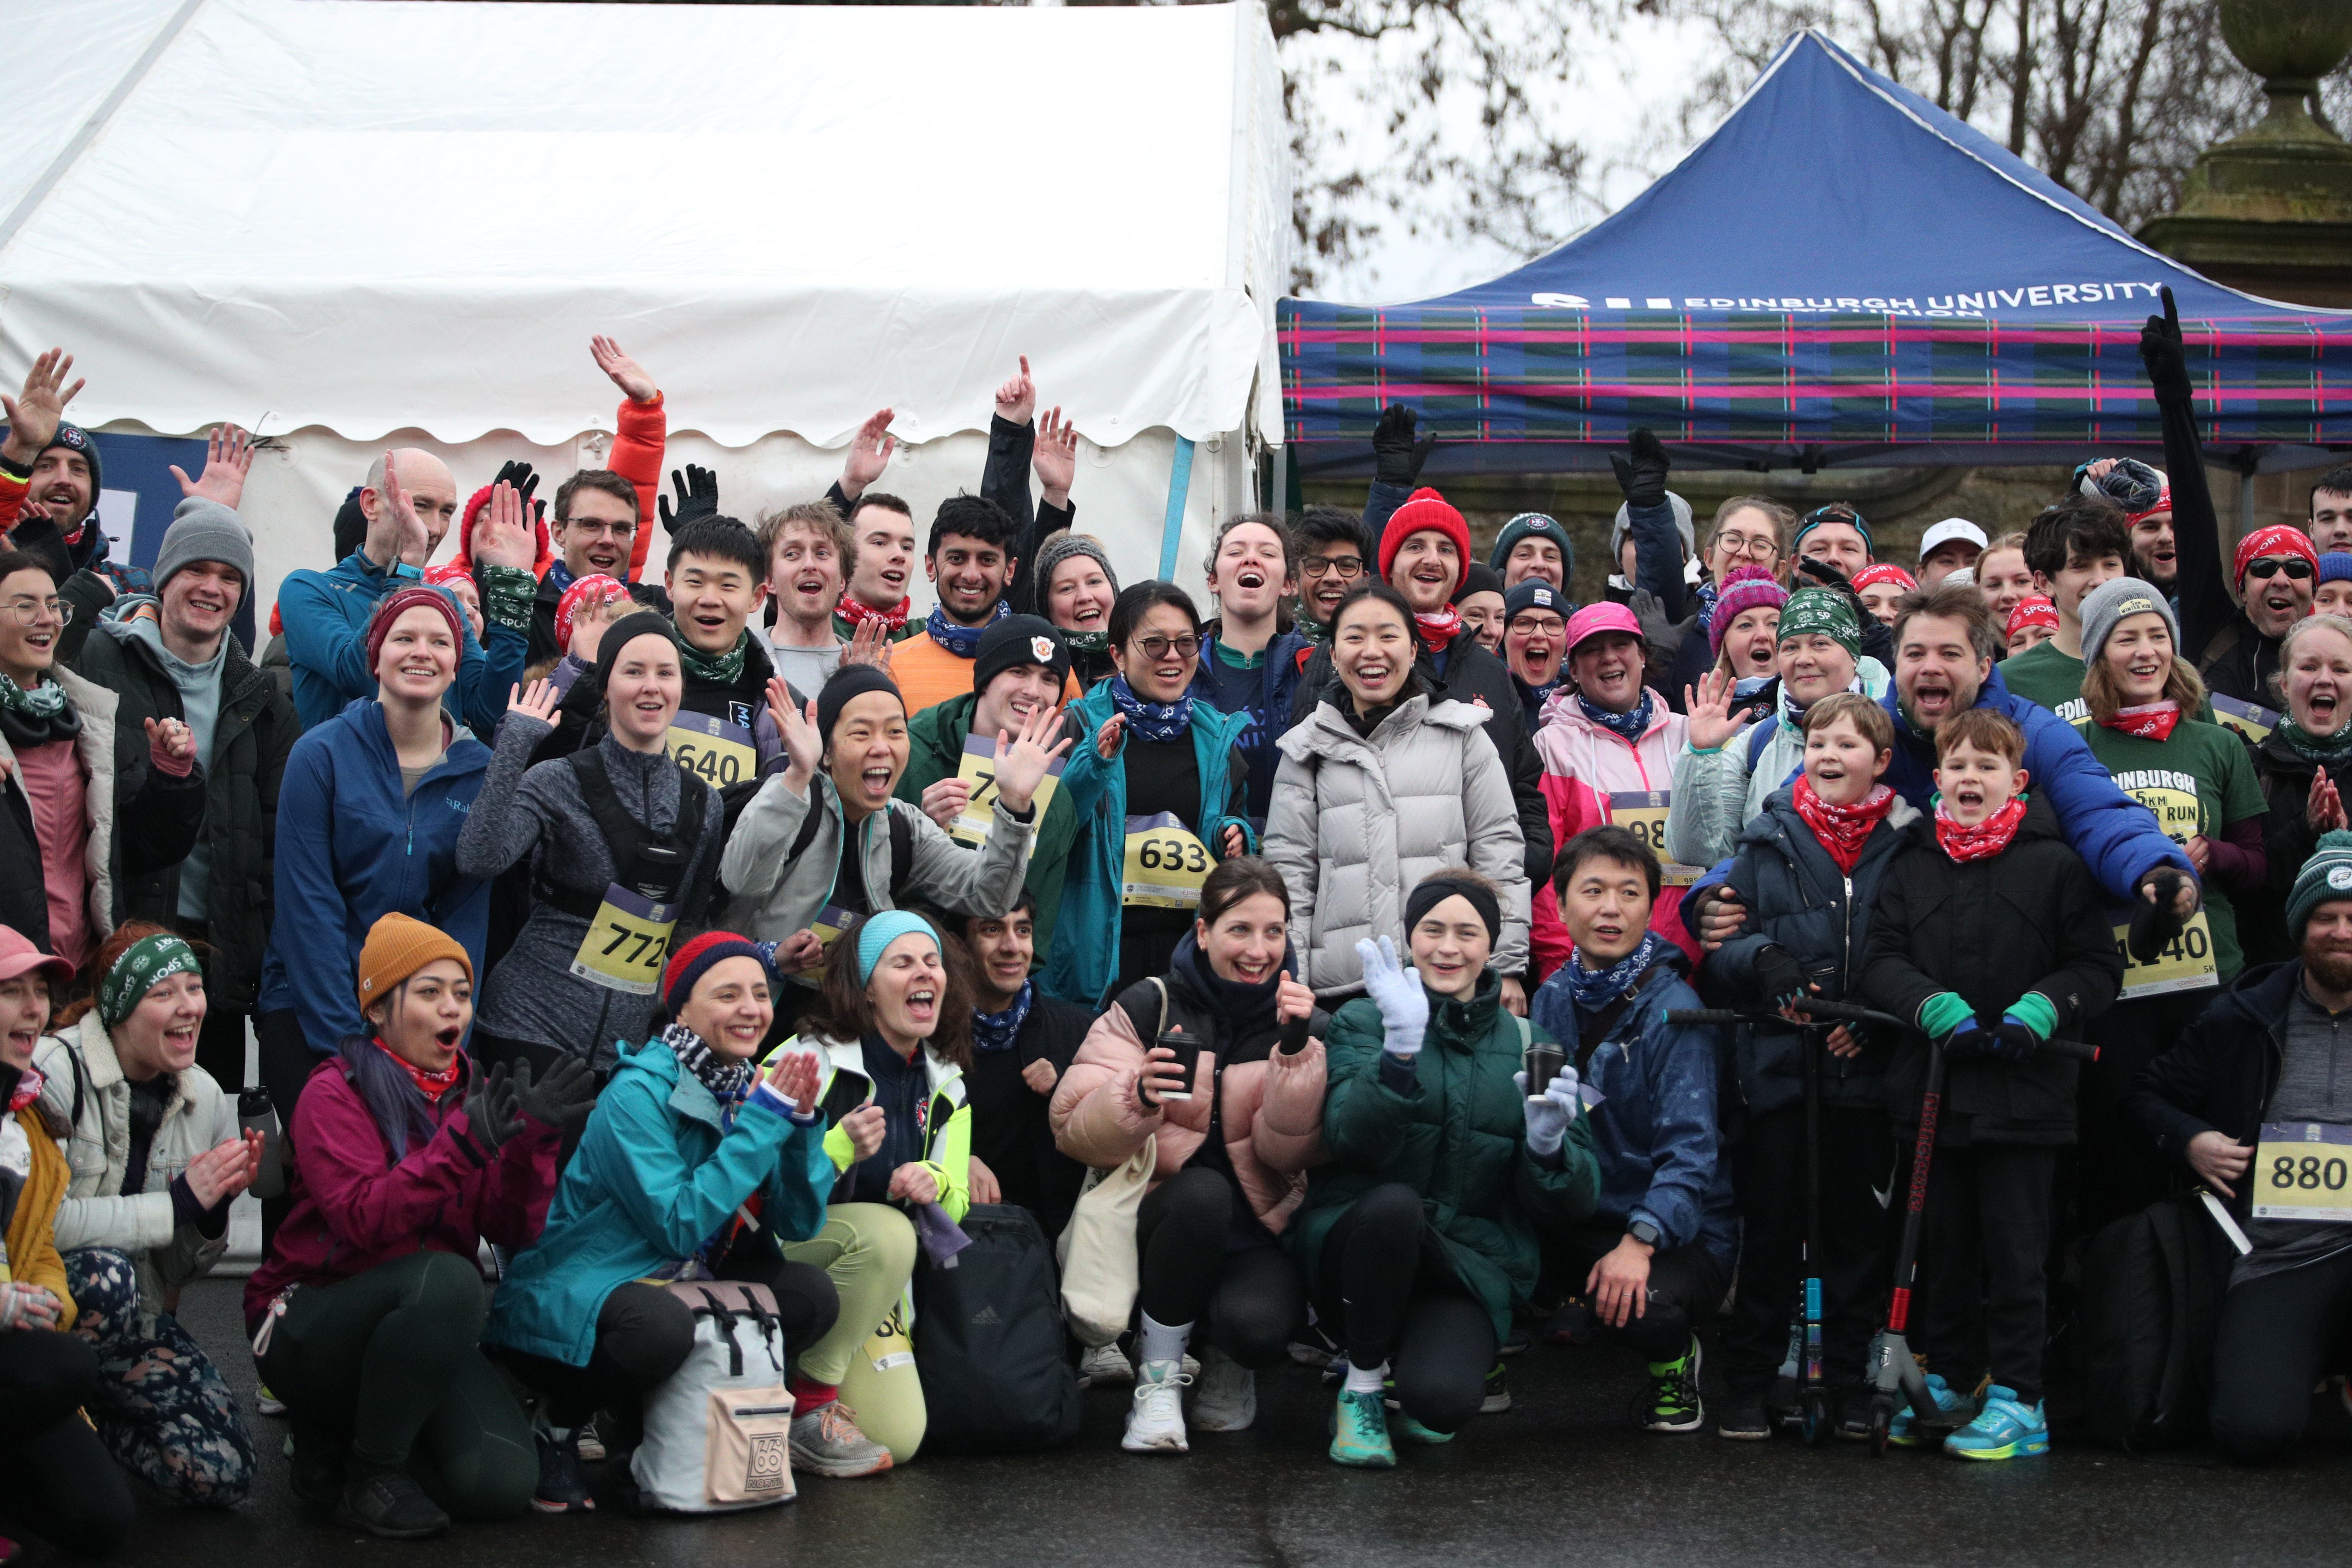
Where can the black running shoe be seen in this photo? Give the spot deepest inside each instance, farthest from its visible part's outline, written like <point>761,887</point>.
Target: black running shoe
<point>384,1500</point>
<point>1743,1418</point>
<point>563,1485</point>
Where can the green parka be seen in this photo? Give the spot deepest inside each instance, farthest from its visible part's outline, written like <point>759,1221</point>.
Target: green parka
<point>1458,1137</point>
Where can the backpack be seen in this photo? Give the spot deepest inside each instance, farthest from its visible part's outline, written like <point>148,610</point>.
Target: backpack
<point>902,845</point>
<point>2151,1305</point>
<point>718,1429</point>
<point>989,1340</point>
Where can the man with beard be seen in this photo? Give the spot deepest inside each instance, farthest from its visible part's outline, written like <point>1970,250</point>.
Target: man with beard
<point>1944,647</point>
<point>2230,632</point>
<point>970,563</point>
<point>1331,558</point>
<point>2263,1076</point>
<point>50,483</point>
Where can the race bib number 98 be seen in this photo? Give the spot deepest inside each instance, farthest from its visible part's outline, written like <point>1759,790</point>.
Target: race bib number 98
<point>1643,813</point>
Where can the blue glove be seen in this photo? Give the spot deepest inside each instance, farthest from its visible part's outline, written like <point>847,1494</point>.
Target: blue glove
<point>1395,988</point>
<point>1550,1112</point>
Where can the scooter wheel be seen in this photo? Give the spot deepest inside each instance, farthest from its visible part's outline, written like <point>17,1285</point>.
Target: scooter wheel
<point>1882,1418</point>
<point>1817,1417</point>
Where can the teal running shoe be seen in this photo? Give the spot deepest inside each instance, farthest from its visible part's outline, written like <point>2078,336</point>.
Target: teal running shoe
<point>2006,1429</point>
<point>1954,1405</point>
<point>1359,1432</point>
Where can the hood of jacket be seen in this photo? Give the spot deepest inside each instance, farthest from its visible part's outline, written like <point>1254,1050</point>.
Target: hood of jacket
<point>1561,708</point>
<point>1328,734</point>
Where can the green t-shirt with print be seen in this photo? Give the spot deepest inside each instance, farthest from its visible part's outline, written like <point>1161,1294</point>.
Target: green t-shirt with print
<point>2200,781</point>
<point>2043,674</point>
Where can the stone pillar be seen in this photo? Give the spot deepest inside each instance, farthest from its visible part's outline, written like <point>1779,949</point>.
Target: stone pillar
<point>2270,210</point>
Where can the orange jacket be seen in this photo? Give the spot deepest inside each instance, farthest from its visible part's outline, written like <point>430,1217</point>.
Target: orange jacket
<point>31,1240</point>
<point>640,432</point>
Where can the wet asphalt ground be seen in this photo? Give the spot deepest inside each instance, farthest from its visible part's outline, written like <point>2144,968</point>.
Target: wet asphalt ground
<point>1564,1476</point>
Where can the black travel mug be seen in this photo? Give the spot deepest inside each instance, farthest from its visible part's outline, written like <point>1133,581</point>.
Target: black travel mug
<point>1544,1061</point>
<point>1188,1061</point>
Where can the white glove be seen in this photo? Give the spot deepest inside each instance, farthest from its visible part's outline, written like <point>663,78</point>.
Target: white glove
<point>1396,989</point>
<point>1549,1113</point>
<point>27,1306</point>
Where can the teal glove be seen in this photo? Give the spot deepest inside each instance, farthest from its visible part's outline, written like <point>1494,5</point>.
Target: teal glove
<point>1944,1012</point>
<point>2036,1012</point>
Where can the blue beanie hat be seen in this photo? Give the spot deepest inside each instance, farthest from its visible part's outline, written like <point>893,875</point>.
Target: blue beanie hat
<point>877,932</point>
<point>2336,566</point>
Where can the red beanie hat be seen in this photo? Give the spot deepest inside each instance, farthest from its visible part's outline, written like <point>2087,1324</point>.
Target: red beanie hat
<point>1425,510</point>
<point>2279,539</point>
<point>690,963</point>
<point>1883,572</point>
<point>398,602</point>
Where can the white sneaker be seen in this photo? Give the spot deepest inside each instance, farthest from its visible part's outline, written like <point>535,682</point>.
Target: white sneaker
<point>267,1403</point>
<point>1225,1399</point>
<point>591,1446</point>
<point>1105,1365</point>
<point>1156,1423</point>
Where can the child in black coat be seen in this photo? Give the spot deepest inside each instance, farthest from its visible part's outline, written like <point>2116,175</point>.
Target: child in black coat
<point>1992,935</point>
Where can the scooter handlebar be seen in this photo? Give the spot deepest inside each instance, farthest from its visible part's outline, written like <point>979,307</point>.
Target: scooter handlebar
<point>1845,1012</point>
<point>1712,1016</point>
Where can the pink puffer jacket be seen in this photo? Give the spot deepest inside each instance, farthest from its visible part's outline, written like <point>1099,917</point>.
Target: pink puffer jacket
<point>1593,776</point>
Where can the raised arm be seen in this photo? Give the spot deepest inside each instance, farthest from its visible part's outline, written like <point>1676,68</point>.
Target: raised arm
<point>2208,601</point>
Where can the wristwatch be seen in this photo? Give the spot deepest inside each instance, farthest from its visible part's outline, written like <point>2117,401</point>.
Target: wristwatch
<point>405,573</point>
<point>1646,1233</point>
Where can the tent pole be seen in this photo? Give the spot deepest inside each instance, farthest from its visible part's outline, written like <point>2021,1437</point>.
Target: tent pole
<point>1171,530</point>
<point>73,151</point>
<point>1281,480</point>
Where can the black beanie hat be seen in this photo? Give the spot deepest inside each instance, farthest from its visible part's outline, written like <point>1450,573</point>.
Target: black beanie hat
<point>1478,578</point>
<point>1436,887</point>
<point>1018,640</point>
<point>625,631</point>
<point>851,680</point>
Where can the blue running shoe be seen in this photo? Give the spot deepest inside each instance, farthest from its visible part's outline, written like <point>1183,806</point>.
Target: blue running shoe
<point>2006,1429</point>
<point>1957,1405</point>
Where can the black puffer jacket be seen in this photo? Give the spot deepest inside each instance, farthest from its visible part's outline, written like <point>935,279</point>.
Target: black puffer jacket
<point>1796,899</point>
<point>256,729</point>
<point>1476,677</point>
<point>2028,919</point>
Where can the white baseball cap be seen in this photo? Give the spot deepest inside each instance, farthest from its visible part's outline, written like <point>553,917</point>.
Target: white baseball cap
<point>1944,533</point>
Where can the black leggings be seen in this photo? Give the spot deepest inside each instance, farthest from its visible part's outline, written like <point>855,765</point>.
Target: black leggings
<point>644,1333</point>
<point>1852,1256</point>
<point>1686,1286</point>
<point>57,1480</point>
<point>386,1367</point>
<point>1252,1299</point>
<point>1985,1244</point>
<point>2277,1333</point>
<point>1388,1292</point>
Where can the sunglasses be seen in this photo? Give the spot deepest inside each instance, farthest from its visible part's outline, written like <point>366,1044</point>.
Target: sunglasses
<point>2263,568</point>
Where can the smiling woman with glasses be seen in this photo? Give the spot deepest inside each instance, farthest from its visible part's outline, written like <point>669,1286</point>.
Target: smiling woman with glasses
<point>1159,784</point>
<point>33,612</point>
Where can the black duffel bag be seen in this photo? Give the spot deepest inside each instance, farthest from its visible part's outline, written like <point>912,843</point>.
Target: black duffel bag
<point>2151,1307</point>
<point>990,1343</point>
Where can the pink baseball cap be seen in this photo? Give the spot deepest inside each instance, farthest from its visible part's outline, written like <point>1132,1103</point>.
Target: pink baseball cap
<point>18,955</point>
<point>1595,619</point>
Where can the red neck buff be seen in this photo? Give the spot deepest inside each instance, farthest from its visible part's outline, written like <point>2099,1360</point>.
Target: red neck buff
<point>2149,720</point>
<point>1438,631</point>
<point>1842,829</point>
<point>1988,837</point>
<point>857,612</point>
<point>431,1085</point>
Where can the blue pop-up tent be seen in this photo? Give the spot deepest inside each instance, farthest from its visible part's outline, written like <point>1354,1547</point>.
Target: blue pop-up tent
<point>1842,274</point>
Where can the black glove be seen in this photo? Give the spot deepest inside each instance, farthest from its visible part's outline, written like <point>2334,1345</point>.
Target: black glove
<point>1396,459</point>
<point>39,537</point>
<point>698,496</point>
<point>1970,1039</point>
<point>1779,974</point>
<point>1827,575</point>
<point>490,1115</point>
<point>2161,350</point>
<point>561,1098</point>
<point>1642,476</point>
<point>525,480</point>
<point>2155,926</point>
<point>2010,1043</point>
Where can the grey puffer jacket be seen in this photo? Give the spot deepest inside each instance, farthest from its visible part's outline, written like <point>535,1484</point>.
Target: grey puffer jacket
<point>1357,820</point>
<point>79,1072</point>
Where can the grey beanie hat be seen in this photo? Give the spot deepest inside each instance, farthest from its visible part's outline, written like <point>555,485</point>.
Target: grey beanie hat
<point>1059,546</point>
<point>2110,602</point>
<point>1623,526</point>
<point>203,531</point>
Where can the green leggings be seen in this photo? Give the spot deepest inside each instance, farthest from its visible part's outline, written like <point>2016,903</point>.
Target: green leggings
<point>868,1252</point>
<point>386,1367</point>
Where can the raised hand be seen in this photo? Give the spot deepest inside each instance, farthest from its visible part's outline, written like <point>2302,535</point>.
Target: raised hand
<point>869,644</point>
<point>944,801</point>
<point>1395,987</point>
<point>698,496</point>
<point>1106,739</point>
<point>797,1076</point>
<point>538,701</point>
<point>35,413</point>
<point>2164,354</point>
<point>1712,723</point>
<point>228,460</point>
<point>1396,459</point>
<point>1016,400</point>
<point>1641,469</point>
<point>869,453</point>
<point>1056,457</point>
<point>503,535</point>
<point>397,533</point>
<point>626,373</point>
<point>521,476</point>
<point>171,745</point>
<point>2323,808</point>
<point>804,743</point>
<point>1021,764</point>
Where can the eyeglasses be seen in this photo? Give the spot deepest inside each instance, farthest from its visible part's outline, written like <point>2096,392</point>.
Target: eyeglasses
<point>33,612</point>
<point>2265,567</point>
<point>595,527</point>
<point>1324,565</point>
<point>1759,547</point>
<point>1161,648</point>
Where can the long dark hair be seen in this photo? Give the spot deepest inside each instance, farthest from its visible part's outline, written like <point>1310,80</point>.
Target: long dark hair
<point>1242,877</point>
<point>843,1013</point>
<point>402,1114</point>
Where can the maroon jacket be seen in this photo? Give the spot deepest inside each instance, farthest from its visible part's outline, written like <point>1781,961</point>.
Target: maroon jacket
<point>354,1209</point>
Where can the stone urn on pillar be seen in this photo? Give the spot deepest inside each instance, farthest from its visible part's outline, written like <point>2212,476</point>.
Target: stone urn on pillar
<point>2270,210</point>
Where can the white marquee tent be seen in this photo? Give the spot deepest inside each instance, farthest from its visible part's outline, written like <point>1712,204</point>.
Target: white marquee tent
<point>345,222</point>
